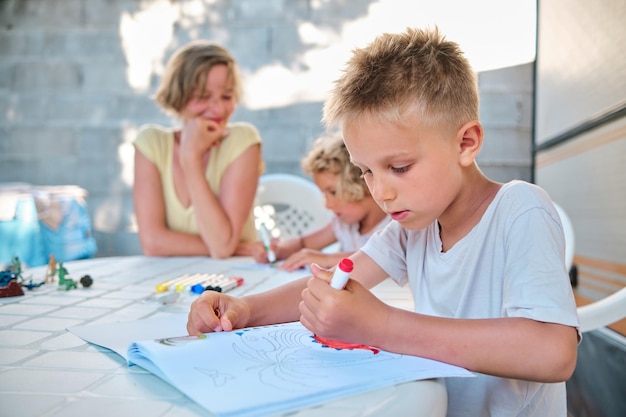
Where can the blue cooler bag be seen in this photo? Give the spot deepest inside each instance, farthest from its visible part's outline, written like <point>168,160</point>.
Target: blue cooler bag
<point>64,222</point>
<point>19,227</point>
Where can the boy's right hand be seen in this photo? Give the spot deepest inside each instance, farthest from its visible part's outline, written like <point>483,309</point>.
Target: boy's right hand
<point>213,311</point>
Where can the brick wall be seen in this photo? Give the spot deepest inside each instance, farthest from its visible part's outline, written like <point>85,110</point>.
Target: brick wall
<point>76,78</point>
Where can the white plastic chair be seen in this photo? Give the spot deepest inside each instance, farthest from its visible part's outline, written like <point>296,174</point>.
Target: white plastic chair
<point>603,312</point>
<point>289,205</point>
<point>600,313</point>
<point>570,240</point>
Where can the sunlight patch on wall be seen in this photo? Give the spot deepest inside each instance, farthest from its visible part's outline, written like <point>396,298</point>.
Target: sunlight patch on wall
<point>126,155</point>
<point>145,36</point>
<point>493,34</point>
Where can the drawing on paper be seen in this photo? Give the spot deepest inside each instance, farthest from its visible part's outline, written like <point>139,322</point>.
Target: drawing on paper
<point>284,358</point>
<point>179,340</point>
<point>339,345</point>
<point>217,378</point>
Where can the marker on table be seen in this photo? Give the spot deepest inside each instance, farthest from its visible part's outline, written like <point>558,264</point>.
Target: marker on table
<point>199,278</point>
<point>181,285</point>
<point>212,279</point>
<point>265,236</point>
<point>165,286</point>
<point>234,282</point>
<point>342,274</point>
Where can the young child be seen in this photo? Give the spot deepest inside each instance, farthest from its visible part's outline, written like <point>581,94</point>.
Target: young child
<point>357,215</point>
<point>485,261</point>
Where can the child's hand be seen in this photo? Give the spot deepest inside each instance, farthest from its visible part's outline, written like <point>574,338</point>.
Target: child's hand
<point>215,312</point>
<point>352,315</point>
<point>301,259</point>
<point>258,252</point>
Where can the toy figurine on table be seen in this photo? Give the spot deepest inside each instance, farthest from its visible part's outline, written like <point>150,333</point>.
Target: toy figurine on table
<point>10,280</point>
<point>17,270</point>
<point>51,271</point>
<point>65,282</point>
<point>68,283</point>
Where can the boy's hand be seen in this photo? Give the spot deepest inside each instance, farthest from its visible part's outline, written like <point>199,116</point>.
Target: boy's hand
<point>352,315</point>
<point>215,312</point>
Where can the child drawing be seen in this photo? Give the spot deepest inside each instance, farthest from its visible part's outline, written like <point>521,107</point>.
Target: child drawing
<point>357,215</point>
<point>485,261</point>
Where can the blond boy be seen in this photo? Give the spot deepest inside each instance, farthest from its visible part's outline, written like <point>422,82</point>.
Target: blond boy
<point>485,261</point>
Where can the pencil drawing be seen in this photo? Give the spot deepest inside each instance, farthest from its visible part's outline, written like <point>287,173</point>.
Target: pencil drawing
<point>292,359</point>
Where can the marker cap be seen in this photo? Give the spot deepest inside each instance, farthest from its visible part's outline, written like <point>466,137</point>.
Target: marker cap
<point>341,274</point>
<point>346,265</point>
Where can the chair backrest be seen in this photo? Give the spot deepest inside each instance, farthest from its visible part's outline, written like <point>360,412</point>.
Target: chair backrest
<point>603,312</point>
<point>570,241</point>
<point>600,313</point>
<point>289,205</point>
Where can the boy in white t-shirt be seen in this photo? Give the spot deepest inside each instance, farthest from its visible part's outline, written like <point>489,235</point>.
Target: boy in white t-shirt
<point>485,261</point>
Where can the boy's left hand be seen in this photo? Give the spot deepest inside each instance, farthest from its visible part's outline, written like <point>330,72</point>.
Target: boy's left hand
<point>352,315</point>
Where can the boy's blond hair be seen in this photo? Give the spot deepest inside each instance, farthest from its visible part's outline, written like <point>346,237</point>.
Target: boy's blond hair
<point>329,154</point>
<point>415,70</point>
<point>186,71</point>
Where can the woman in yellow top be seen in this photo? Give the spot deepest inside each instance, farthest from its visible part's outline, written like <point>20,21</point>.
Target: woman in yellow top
<point>195,186</point>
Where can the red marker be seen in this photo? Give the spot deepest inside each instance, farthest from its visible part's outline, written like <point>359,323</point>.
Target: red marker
<point>342,274</point>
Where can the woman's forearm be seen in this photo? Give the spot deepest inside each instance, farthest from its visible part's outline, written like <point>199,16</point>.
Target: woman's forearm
<point>214,226</point>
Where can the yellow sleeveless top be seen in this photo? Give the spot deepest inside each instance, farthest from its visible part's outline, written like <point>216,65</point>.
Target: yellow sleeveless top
<point>157,144</point>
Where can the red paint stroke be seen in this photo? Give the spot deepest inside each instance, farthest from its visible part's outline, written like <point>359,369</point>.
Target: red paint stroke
<point>336,344</point>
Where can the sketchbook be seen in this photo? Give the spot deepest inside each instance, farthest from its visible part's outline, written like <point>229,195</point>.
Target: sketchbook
<point>270,369</point>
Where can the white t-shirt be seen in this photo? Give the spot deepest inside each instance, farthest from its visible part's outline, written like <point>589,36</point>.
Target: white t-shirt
<point>511,264</point>
<point>348,235</point>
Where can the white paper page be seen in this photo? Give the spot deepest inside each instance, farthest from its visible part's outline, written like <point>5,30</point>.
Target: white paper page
<point>117,336</point>
<point>271,369</point>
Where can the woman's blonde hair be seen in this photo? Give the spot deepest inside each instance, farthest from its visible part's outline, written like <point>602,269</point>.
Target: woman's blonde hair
<point>329,154</point>
<point>186,71</point>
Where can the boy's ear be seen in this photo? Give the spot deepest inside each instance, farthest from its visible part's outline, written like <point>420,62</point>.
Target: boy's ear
<point>470,141</point>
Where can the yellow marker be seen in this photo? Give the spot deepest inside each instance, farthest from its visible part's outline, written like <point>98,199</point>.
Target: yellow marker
<point>165,286</point>
<point>180,286</point>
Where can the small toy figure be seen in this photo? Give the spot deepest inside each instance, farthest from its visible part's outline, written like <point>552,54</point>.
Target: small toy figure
<point>69,283</point>
<point>31,285</point>
<point>6,276</point>
<point>9,286</point>
<point>11,290</point>
<point>52,269</point>
<point>17,269</point>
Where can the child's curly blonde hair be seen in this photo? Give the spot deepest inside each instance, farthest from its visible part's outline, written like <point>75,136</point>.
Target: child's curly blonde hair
<point>329,154</point>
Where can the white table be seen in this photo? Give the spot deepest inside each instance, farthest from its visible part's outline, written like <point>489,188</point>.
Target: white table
<point>47,371</point>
